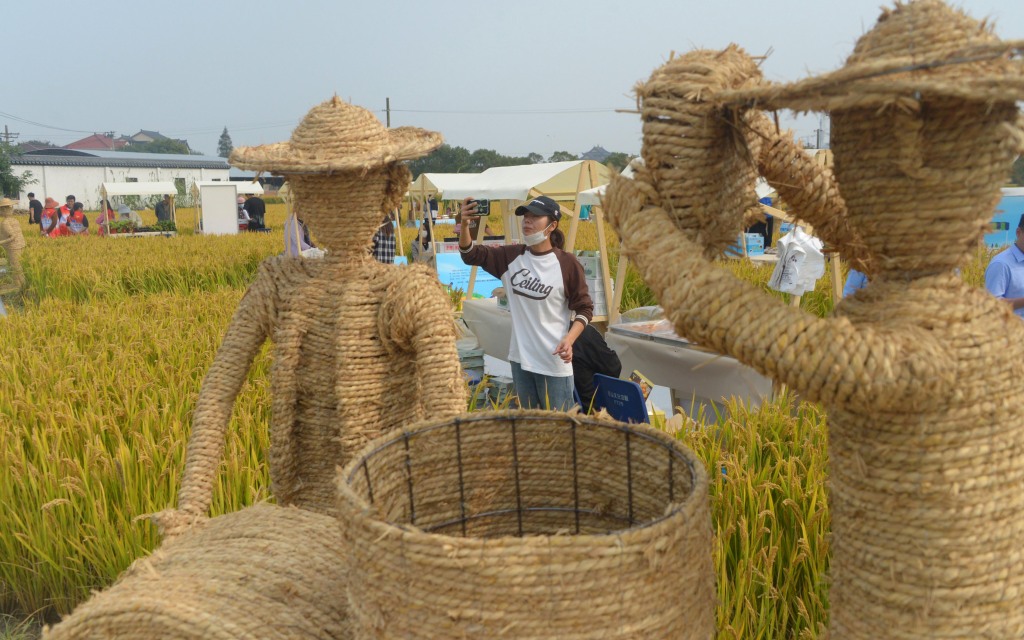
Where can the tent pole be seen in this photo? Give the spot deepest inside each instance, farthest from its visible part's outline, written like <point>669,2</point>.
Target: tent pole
<point>574,224</point>
<point>198,227</point>
<point>837,287</point>
<point>433,238</point>
<point>290,211</point>
<point>602,243</point>
<point>620,278</point>
<point>106,209</point>
<point>509,220</point>
<point>398,229</point>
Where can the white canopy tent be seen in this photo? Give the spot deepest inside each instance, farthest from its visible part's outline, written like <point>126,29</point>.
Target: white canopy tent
<point>593,196</point>
<point>556,180</point>
<point>108,189</point>
<point>436,184</point>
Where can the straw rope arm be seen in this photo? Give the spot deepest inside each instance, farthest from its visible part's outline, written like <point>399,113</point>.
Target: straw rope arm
<point>809,188</point>
<point>827,360</point>
<point>416,317</point>
<point>248,330</point>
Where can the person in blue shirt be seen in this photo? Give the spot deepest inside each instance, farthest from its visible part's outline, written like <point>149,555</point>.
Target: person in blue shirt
<point>854,280</point>
<point>1004,277</point>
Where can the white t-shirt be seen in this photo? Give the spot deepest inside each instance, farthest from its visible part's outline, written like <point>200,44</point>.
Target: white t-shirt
<point>544,291</point>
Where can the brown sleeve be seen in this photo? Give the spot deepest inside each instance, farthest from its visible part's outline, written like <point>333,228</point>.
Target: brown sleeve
<point>576,292</point>
<point>494,260</point>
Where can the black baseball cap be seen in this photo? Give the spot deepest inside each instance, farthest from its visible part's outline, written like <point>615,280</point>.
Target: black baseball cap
<point>541,206</point>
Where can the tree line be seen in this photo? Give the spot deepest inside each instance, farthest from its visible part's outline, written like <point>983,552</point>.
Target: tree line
<point>449,159</point>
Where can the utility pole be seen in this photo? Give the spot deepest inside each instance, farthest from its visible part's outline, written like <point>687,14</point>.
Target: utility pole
<point>387,109</point>
<point>8,136</point>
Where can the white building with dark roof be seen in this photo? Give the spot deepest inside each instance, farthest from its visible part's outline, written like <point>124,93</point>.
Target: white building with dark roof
<point>58,173</point>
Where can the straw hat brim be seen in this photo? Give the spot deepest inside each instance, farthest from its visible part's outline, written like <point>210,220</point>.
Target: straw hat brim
<point>987,73</point>
<point>7,202</point>
<point>403,143</point>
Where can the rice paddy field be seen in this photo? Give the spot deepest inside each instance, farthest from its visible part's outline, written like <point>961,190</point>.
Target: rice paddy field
<point>103,355</point>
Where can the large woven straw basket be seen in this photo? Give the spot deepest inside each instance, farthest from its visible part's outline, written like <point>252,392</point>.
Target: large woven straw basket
<point>263,572</point>
<point>528,525</point>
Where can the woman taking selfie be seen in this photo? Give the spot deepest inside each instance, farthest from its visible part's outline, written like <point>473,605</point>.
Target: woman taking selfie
<point>548,298</point>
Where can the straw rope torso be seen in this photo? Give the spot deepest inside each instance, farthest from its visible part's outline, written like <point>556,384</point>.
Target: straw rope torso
<point>359,348</point>
<point>345,370</point>
<point>920,373</point>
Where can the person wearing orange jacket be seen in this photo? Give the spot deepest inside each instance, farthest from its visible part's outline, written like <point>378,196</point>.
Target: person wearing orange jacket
<point>49,218</point>
<point>78,224</point>
<point>64,216</point>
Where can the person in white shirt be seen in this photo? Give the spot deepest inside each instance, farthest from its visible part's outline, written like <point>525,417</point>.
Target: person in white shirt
<point>548,298</point>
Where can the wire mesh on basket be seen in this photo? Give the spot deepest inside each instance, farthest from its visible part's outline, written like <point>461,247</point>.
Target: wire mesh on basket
<point>535,524</point>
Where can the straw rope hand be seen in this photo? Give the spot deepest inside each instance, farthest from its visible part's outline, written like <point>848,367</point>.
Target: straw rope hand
<point>809,188</point>
<point>715,309</point>
<point>249,328</point>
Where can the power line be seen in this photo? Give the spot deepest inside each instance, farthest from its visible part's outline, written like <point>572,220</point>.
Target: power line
<point>504,111</point>
<point>40,124</point>
<point>289,123</point>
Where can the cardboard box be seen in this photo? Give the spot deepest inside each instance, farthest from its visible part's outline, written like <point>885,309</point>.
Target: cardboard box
<point>755,246</point>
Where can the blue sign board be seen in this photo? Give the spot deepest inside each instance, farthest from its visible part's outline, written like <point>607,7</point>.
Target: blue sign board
<point>455,273</point>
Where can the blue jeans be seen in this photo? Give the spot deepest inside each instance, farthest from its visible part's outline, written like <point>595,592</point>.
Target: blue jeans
<point>538,391</point>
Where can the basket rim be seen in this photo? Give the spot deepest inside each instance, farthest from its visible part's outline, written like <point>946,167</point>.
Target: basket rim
<point>698,475</point>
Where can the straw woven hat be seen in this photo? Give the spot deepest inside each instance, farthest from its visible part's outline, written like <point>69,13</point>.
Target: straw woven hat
<point>7,202</point>
<point>337,136</point>
<point>917,49</point>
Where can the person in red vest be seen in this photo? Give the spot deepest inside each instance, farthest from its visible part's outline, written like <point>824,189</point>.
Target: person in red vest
<point>78,224</point>
<point>48,219</point>
<point>64,215</point>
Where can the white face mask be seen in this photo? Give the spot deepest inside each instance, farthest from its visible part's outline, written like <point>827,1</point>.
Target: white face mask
<point>534,239</point>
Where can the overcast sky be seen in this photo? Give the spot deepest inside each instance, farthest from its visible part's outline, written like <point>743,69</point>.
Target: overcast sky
<point>518,77</point>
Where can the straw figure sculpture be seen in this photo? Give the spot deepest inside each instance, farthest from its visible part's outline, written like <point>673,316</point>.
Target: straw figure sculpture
<point>921,374</point>
<point>13,243</point>
<point>360,349</point>
<point>532,525</point>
